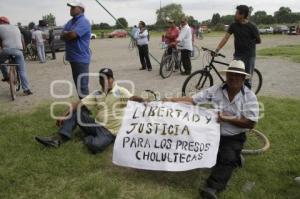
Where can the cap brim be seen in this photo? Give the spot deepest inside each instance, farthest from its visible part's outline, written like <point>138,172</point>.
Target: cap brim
<point>239,72</point>
<point>71,4</point>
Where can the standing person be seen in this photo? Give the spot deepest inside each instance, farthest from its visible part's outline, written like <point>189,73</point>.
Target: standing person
<point>171,36</point>
<point>246,36</point>
<point>77,33</point>
<point>142,41</point>
<point>51,43</point>
<point>38,39</point>
<point>12,45</point>
<point>238,112</point>
<point>186,46</point>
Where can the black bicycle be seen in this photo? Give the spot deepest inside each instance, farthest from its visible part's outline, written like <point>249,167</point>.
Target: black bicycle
<point>170,63</point>
<point>13,77</point>
<point>202,79</point>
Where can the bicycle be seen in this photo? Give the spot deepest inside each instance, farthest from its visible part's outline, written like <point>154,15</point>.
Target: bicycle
<point>132,44</point>
<point>201,79</point>
<point>170,63</point>
<point>30,53</point>
<point>14,78</point>
<point>66,62</point>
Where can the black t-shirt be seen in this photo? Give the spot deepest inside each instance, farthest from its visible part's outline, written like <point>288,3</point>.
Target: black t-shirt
<point>245,36</point>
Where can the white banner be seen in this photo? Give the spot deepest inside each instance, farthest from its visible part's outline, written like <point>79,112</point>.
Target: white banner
<point>167,137</point>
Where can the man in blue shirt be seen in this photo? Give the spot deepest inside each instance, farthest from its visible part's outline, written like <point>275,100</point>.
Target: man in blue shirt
<point>77,34</point>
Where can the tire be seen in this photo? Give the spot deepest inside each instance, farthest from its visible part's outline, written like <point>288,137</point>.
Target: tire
<point>257,81</point>
<point>12,82</point>
<point>166,66</point>
<point>197,81</point>
<point>195,53</point>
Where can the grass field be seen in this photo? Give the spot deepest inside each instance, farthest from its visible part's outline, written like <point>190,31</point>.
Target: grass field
<point>289,51</point>
<point>28,170</point>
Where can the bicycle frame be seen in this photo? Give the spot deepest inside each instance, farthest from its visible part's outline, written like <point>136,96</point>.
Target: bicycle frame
<point>211,66</point>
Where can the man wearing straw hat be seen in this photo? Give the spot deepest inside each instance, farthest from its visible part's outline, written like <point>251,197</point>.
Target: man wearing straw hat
<point>238,111</point>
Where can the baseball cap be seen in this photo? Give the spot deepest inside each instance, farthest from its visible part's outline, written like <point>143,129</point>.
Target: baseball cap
<point>4,19</point>
<point>76,3</point>
<point>107,72</point>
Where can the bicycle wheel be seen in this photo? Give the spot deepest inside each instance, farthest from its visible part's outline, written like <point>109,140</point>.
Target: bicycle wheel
<point>197,81</point>
<point>12,82</point>
<point>196,53</point>
<point>166,67</point>
<point>256,81</point>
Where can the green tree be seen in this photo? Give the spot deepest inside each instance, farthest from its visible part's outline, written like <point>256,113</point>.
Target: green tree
<point>261,17</point>
<point>121,23</point>
<point>283,15</point>
<point>227,19</point>
<point>172,11</point>
<point>50,19</point>
<point>216,18</point>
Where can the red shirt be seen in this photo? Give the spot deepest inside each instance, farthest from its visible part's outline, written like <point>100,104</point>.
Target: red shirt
<point>171,35</point>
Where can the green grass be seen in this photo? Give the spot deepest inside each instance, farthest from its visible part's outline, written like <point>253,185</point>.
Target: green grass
<point>289,51</point>
<point>28,170</point>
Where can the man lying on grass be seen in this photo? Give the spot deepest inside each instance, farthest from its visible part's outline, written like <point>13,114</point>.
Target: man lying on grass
<point>239,112</point>
<point>110,103</point>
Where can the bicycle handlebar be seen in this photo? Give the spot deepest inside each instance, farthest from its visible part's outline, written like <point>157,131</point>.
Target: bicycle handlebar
<point>214,53</point>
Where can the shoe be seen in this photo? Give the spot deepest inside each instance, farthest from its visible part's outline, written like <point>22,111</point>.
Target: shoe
<point>5,79</point>
<point>52,141</point>
<point>28,92</point>
<point>183,73</point>
<point>149,69</point>
<point>142,68</point>
<point>208,193</point>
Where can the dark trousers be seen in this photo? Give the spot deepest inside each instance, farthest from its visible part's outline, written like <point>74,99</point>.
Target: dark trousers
<point>249,67</point>
<point>186,60</point>
<point>80,72</point>
<point>97,137</point>
<point>228,159</point>
<point>144,56</point>
<point>52,49</point>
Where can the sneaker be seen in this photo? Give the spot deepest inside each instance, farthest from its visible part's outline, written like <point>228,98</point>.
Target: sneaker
<point>208,193</point>
<point>28,92</point>
<point>53,141</point>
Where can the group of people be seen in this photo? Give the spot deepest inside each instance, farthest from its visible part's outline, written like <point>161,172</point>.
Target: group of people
<point>237,104</point>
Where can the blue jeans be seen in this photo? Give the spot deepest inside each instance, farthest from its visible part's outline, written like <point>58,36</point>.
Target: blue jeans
<point>97,137</point>
<point>21,68</point>
<point>82,85</point>
<point>249,67</point>
<point>41,52</point>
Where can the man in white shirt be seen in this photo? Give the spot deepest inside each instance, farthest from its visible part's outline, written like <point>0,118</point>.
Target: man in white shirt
<point>141,37</point>
<point>38,40</point>
<point>186,46</point>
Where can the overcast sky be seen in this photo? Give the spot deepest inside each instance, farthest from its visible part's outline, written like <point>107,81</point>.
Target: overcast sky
<point>25,11</point>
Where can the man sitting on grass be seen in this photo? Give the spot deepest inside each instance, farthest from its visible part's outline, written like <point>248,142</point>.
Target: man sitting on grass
<point>110,103</point>
<point>238,112</point>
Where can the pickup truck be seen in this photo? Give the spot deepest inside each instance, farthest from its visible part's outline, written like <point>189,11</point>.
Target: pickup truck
<point>268,30</point>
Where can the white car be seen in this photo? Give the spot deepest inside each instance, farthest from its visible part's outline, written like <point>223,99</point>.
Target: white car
<point>93,36</point>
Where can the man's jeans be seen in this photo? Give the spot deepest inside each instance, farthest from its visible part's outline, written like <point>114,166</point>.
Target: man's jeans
<point>41,52</point>
<point>80,72</point>
<point>249,66</point>
<point>21,68</point>
<point>97,137</point>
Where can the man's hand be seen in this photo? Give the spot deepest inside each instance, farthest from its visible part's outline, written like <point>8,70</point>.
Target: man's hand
<point>224,117</point>
<point>60,122</point>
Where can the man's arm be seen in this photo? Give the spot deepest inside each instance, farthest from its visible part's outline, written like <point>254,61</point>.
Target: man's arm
<point>240,122</point>
<point>137,99</point>
<point>223,42</point>
<point>68,36</point>
<point>185,100</point>
<point>71,109</point>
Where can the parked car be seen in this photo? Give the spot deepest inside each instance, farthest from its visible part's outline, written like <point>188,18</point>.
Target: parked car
<point>281,29</point>
<point>292,30</point>
<point>268,30</point>
<point>118,33</point>
<point>93,36</point>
